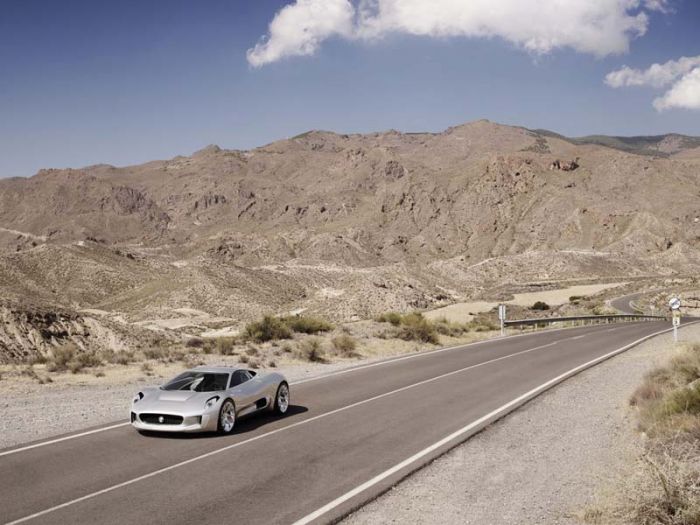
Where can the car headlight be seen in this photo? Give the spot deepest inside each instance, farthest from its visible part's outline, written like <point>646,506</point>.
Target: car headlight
<point>211,402</point>
<point>138,397</point>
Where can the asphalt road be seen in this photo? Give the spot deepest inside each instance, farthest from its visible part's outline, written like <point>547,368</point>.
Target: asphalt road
<point>623,304</point>
<point>348,434</point>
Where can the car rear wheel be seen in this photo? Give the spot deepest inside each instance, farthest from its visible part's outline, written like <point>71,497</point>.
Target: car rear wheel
<point>227,417</point>
<point>282,399</point>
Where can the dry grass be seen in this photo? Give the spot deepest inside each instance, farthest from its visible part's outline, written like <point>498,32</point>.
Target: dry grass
<point>70,357</point>
<point>665,489</point>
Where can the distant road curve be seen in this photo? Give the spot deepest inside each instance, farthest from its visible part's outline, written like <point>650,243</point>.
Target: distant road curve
<point>623,304</point>
<point>349,436</point>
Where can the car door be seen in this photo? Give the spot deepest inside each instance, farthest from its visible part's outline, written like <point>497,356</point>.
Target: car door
<point>243,390</point>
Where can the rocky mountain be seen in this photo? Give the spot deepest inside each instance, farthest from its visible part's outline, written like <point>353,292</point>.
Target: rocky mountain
<point>350,225</point>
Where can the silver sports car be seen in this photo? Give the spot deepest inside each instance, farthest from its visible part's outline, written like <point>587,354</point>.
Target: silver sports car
<point>208,399</point>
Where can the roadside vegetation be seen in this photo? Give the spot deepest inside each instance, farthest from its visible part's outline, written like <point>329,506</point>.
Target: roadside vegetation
<point>264,343</point>
<point>666,486</point>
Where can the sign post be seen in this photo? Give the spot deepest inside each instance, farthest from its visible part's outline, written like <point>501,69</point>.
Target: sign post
<point>502,318</point>
<point>675,305</point>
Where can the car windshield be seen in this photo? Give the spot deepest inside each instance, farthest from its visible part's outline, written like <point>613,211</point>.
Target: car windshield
<point>198,382</point>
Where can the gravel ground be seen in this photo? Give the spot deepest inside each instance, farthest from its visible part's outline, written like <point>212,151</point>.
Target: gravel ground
<point>545,463</point>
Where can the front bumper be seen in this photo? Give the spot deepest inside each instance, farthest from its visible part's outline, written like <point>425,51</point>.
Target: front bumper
<point>190,423</point>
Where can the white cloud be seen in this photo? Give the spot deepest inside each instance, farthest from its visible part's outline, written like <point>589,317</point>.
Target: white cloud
<point>598,27</point>
<point>684,94</point>
<point>682,75</point>
<point>299,28</point>
<point>662,6</point>
<point>657,75</point>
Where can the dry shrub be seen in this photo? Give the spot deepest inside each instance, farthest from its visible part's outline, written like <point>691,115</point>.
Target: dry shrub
<point>450,328</point>
<point>69,357</point>
<point>122,358</point>
<point>60,357</point>
<point>194,342</point>
<point>345,345</point>
<point>482,324</point>
<point>666,487</point>
<point>162,353</point>
<point>665,490</point>
<point>311,350</point>
<point>84,360</point>
<point>225,345</point>
<point>252,351</point>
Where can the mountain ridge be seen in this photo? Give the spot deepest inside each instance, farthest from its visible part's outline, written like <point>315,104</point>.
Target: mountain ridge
<point>347,225</point>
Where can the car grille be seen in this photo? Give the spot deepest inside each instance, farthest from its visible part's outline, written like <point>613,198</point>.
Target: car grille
<point>155,419</point>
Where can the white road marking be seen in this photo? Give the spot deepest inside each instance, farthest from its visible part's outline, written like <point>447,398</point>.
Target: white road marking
<point>261,436</point>
<point>307,380</point>
<point>499,412</point>
<point>66,438</point>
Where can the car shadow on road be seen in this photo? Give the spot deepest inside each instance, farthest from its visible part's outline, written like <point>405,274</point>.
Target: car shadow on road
<point>244,425</point>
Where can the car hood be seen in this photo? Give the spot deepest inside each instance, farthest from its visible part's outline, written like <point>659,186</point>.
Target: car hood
<point>176,396</point>
<point>173,401</point>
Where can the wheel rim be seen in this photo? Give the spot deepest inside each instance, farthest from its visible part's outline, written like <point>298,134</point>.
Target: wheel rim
<point>228,417</point>
<point>283,398</point>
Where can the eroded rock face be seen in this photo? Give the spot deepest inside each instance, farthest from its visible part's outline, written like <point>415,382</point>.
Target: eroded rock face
<point>30,332</point>
<point>564,165</point>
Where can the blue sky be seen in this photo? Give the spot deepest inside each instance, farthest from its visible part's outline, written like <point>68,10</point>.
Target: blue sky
<point>84,82</point>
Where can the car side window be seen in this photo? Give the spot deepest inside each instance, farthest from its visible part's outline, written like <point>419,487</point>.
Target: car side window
<point>239,377</point>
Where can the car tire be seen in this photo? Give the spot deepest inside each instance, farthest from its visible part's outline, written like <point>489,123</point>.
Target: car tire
<point>282,397</point>
<point>227,417</point>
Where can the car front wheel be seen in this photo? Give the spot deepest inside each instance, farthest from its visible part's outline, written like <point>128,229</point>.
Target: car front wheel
<point>282,399</point>
<point>227,417</point>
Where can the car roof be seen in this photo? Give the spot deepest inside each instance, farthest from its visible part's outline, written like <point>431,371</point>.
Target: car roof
<point>217,369</point>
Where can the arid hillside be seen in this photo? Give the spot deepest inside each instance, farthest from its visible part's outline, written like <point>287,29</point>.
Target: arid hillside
<point>349,225</point>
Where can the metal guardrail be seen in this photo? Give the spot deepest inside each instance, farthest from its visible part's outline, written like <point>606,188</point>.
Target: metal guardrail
<point>583,318</point>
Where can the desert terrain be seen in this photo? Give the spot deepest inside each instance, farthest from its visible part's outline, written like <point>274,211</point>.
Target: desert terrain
<point>342,227</point>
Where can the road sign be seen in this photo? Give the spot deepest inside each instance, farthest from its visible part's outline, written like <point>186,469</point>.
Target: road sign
<point>674,303</point>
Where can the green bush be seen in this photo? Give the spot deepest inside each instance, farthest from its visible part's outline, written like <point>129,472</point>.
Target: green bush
<point>267,329</point>
<point>307,325</point>
<point>415,327</point>
<point>392,318</point>
<point>540,305</point>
